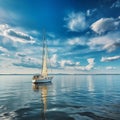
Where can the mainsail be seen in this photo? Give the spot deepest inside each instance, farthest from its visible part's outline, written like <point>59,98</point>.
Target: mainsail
<point>44,71</point>
<point>43,77</point>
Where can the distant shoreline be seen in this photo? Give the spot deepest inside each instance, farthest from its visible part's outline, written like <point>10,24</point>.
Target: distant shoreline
<point>66,74</point>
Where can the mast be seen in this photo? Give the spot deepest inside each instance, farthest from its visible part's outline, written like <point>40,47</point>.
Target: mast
<point>44,71</point>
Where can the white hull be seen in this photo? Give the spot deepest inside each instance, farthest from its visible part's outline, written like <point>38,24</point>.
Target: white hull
<point>42,80</point>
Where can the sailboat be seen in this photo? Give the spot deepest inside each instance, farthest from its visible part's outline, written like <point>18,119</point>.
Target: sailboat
<point>43,77</point>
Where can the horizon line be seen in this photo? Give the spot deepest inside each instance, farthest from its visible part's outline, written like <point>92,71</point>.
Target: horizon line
<point>66,74</point>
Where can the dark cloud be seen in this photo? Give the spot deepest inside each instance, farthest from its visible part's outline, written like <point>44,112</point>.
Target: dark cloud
<point>19,34</point>
<point>20,55</point>
<point>27,65</point>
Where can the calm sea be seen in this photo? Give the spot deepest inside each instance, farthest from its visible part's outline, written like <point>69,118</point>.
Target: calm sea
<point>69,97</point>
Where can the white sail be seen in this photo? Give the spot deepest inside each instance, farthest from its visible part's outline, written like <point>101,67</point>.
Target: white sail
<point>44,71</point>
<point>43,77</point>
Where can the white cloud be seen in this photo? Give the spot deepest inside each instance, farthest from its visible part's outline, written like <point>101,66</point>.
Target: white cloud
<point>77,63</point>
<point>53,60</point>
<point>53,50</point>
<point>88,67</point>
<point>76,21</point>
<point>90,64</point>
<point>76,41</point>
<point>110,68</point>
<point>14,35</point>
<point>107,59</point>
<point>90,12</point>
<point>105,25</point>
<point>109,42</point>
<point>4,50</point>
<point>68,64</point>
<point>3,27</point>
<point>116,4</point>
<point>64,63</point>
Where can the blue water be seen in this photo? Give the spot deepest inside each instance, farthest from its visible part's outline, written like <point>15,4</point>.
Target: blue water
<point>69,97</point>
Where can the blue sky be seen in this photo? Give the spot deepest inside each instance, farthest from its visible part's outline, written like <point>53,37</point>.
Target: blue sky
<point>83,36</point>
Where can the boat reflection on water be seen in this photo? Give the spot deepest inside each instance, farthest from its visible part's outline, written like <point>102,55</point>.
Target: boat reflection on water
<point>43,88</point>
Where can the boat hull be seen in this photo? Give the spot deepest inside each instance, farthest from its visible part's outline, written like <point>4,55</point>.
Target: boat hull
<point>42,80</point>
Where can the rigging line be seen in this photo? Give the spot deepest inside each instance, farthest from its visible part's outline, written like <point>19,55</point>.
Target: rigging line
<point>43,44</point>
<point>46,47</point>
<point>48,57</point>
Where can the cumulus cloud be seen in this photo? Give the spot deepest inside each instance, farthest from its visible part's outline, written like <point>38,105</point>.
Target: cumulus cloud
<point>104,25</point>
<point>60,63</point>
<point>76,21</point>
<point>64,63</point>
<point>116,4</point>
<point>88,67</point>
<point>90,64</point>
<point>14,35</point>
<point>76,65</point>
<point>109,42</point>
<point>107,59</point>
<point>53,60</point>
